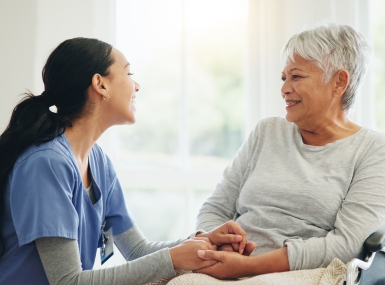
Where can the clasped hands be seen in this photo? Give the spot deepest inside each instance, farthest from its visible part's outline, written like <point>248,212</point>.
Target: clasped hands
<point>218,253</point>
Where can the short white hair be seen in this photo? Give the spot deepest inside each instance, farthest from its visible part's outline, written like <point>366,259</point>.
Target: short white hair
<point>333,47</point>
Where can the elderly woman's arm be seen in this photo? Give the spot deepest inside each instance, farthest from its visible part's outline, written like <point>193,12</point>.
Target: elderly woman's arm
<point>220,207</point>
<point>362,212</point>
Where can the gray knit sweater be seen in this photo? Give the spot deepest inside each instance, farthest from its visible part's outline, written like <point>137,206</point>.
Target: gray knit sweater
<point>321,202</point>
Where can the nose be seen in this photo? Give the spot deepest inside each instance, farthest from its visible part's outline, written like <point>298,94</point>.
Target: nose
<point>286,88</point>
<point>137,86</point>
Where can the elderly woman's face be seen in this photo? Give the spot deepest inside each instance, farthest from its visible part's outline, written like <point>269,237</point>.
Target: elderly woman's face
<point>308,100</point>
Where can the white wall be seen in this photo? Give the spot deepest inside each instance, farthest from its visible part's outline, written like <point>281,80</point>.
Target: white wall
<point>17,51</point>
<point>31,29</point>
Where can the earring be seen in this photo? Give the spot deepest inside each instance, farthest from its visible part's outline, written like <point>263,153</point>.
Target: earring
<point>106,98</point>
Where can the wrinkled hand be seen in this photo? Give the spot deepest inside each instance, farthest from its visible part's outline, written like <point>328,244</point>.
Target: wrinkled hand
<point>228,233</point>
<point>229,264</point>
<point>250,246</point>
<point>184,256</point>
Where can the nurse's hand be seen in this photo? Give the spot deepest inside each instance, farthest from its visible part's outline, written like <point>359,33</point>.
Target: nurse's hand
<point>184,256</point>
<point>228,233</point>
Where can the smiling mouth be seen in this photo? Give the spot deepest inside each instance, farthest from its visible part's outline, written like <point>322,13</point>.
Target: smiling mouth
<point>133,100</point>
<point>292,103</point>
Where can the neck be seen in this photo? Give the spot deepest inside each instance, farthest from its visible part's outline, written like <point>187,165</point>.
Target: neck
<point>82,136</point>
<point>328,131</point>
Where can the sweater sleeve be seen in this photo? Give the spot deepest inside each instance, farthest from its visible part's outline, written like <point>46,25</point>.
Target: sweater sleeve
<point>220,207</point>
<point>61,262</point>
<point>133,244</point>
<point>362,212</point>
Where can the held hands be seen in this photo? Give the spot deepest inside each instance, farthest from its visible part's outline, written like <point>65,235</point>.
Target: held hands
<point>233,249</point>
<point>229,264</point>
<point>200,253</point>
<point>230,237</point>
<point>235,265</point>
<point>250,246</point>
<point>184,256</point>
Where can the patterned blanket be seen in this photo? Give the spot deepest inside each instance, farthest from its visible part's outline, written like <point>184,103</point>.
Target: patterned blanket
<point>334,274</point>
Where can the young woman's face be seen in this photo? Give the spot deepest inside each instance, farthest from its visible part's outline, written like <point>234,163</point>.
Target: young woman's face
<point>121,89</point>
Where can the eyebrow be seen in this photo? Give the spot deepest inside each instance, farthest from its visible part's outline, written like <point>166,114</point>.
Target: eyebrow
<point>294,68</point>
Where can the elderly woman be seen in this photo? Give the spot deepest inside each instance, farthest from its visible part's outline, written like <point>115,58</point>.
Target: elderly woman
<point>311,187</point>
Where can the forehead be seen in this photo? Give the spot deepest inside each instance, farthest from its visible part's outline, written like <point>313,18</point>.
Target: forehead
<point>119,58</point>
<point>301,64</point>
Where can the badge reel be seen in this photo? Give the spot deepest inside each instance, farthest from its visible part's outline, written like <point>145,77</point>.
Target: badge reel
<point>107,249</point>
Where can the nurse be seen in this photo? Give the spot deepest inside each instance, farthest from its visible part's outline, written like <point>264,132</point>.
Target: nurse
<point>60,196</point>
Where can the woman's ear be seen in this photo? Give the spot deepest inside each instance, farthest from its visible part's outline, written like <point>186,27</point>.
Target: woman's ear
<point>97,85</point>
<point>341,82</point>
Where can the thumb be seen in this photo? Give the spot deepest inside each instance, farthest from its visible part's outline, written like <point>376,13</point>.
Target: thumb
<point>249,248</point>
<point>210,255</point>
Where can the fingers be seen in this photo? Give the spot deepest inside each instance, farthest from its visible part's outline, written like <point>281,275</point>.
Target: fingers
<point>228,233</point>
<point>235,246</point>
<point>226,247</point>
<point>206,270</point>
<point>232,238</point>
<point>184,256</point>
<point>207,263</point>
<point>249,248</point>
<point>237,231</point>
<point>210,255</point>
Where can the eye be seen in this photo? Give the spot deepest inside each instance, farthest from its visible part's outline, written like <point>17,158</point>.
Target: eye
<point>283,79</point>
<point>296,77</point>
<point>130,74</point>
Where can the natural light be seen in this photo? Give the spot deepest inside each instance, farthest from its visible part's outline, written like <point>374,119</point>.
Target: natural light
<point>190,59</point>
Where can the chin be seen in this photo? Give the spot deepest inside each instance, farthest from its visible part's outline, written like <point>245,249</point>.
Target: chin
<point>289,118</point>
<point>126,121</point>
<point>131,121</point>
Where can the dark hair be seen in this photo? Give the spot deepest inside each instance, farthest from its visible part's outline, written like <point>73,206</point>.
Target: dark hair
<point>67,75</point>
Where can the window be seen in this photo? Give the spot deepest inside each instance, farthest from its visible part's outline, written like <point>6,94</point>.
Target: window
<point>189,58</point>
<point>200,97</point>
<point>378,64</point>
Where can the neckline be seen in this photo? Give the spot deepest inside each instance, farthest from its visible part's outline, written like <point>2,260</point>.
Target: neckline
<point>75,162</point>
<point>322,147</point>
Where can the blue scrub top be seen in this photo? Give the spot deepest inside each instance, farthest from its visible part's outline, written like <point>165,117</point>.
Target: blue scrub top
<point>45,197</point>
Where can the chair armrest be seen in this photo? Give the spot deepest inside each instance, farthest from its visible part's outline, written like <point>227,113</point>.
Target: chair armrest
<point>375,242</point>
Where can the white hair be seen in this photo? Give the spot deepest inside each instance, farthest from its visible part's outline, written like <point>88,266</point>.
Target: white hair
<point>333,47</point>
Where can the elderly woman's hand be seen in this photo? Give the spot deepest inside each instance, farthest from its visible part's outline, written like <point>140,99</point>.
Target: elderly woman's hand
<point>235,265</point>
<point>229,264</point>
<point>249,248</point>
<point>228,233</point>
<point>184,256</point>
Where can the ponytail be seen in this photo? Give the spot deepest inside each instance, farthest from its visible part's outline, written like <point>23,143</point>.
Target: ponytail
<point>67,75</point>
<point>31,123</point>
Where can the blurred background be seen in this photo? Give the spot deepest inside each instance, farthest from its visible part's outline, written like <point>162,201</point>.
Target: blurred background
<point>208,70</point>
